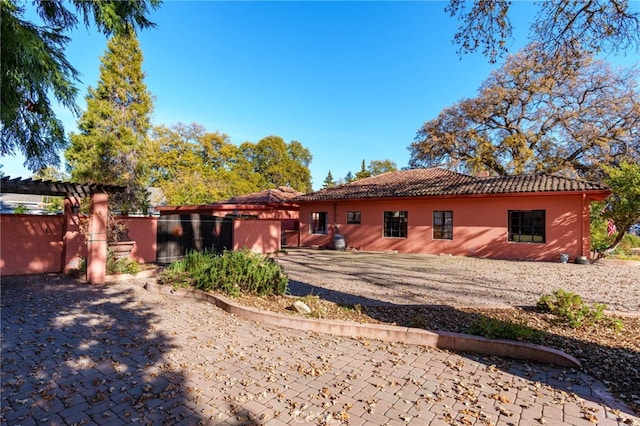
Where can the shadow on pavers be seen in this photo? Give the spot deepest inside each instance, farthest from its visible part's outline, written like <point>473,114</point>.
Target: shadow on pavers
<point>74,353</point>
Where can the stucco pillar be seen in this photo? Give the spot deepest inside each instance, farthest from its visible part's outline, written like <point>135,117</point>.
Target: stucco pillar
<point>97,239</point>
<point>71,247</point>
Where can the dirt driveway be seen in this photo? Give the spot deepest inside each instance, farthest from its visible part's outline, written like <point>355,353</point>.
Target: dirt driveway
<point>406,279</point>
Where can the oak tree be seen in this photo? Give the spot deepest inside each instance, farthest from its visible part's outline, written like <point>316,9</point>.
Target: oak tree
<point>536,115</point>
<point>562,27</point>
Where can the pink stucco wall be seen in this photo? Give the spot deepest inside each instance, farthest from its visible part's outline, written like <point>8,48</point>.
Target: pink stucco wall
<point>260,236</point>
<point>33,244</point>
<point>143,231</point>
<point>30,244</point>
<point>479,226</point>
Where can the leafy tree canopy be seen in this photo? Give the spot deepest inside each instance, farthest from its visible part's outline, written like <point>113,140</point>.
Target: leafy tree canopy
<point>375,167</point>
<point>33,67</point>
<point>378,167</point>
<point>52,174</point>
<point>193,166</point>
<point>536,115</point>
<point>562,27</point>
<point>623,206</point>
<point>280,163</point>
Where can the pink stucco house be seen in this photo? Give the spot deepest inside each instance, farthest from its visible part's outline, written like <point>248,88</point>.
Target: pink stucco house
<point>437,211</point>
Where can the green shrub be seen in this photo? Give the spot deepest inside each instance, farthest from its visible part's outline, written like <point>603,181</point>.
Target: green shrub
<point>21,209</point>
<point>121,266</point>
<point>492,328</point>
<point>623,250</point>
<point>232,272</point>
<point>571,309</point>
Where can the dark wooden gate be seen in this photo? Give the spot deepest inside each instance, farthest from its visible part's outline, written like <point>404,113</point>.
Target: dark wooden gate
<point>179,233</point>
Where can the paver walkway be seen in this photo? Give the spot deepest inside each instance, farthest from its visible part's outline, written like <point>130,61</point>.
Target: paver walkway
<point>112,354</point>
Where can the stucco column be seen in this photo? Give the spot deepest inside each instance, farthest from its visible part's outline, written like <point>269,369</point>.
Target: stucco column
<point>71,238</point>
<point>97,242</point>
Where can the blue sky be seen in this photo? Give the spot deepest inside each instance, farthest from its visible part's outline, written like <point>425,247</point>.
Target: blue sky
<point>349,80</point>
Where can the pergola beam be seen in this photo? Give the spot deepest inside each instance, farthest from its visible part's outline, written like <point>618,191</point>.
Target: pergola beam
<point>54,188</point>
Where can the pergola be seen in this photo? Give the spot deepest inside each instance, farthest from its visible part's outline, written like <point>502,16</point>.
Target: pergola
<point>72,193</point>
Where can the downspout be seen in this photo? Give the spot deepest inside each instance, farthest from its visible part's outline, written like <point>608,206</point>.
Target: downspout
<point>335,219</point>
<point>585,220</point>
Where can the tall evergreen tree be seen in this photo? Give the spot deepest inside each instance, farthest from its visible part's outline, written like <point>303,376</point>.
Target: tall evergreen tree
<point>110,147</point>
<point>363,173</point>
<point>328,181</point>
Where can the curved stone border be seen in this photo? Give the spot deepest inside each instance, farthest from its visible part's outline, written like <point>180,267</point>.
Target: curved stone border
<point>438,339</point>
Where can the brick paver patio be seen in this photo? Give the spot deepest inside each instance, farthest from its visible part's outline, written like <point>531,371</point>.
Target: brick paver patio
<point>112,354</point>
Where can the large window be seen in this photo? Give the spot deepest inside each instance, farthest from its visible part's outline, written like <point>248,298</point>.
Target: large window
<point>318,222</point>
<point>527,226</point>
<point>442,225</point>
<point>353,217</point>
<point>395,224</point>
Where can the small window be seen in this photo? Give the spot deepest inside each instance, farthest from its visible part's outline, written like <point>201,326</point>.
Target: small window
<point>527,226</point>
<point>318,222</point>
<point>353,217</point>
<point>442,225</point>
<point>395,224</point>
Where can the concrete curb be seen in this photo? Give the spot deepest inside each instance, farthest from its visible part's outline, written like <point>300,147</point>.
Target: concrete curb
<point>441,340</point>
<point>121,277</point>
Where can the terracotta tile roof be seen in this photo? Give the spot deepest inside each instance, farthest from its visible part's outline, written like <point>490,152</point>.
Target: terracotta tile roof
<point>282,194</point>
<point>438,182</point>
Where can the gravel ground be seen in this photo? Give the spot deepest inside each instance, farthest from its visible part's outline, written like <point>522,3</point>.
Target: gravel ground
<point>410,290</point>
<point>406,279</point>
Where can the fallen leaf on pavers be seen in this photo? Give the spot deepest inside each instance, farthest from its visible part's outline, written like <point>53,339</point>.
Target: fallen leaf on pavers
<point>341,416</point>
<point>502,398</point>
<point>590,417</point>
<point>466,421</point>
<point>370,405</point>
<point>405,418</point>
<point>324,392</point>
<point>448,417</point>
<point>503,411</point>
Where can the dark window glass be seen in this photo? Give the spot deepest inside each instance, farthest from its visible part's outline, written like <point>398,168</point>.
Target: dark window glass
<point>395,224</point>
<point>442,225</point>
<point>318,222</point>
<point>527,226</point>
<point>353,217</point>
